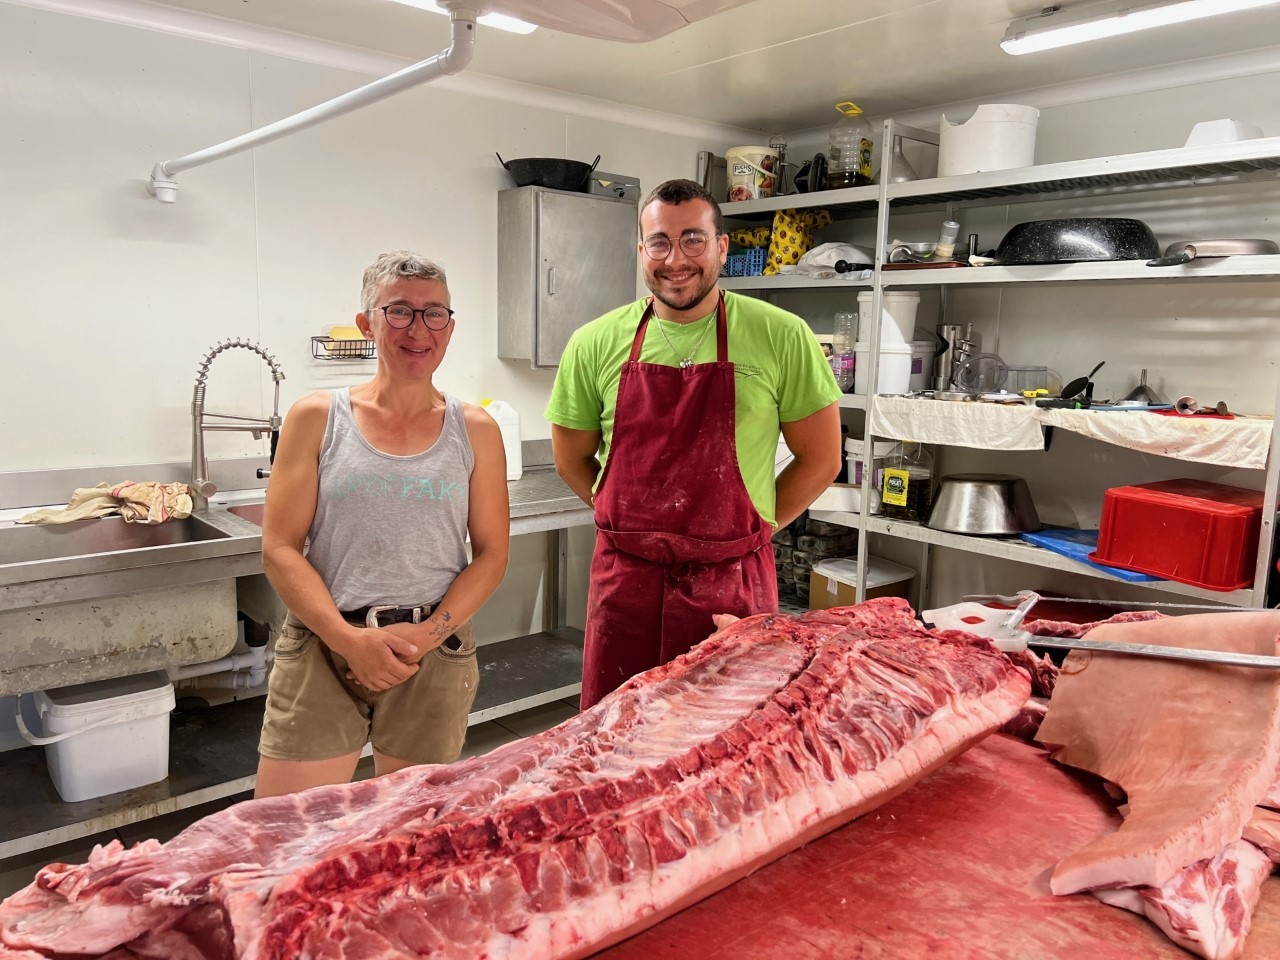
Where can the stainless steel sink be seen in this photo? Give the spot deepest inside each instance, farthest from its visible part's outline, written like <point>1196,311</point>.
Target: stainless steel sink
<point>255,596</point>
<point>103,598</point>
<point>249,511</point>
<point>30,544</point>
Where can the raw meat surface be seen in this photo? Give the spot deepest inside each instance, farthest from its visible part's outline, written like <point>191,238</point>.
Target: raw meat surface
<point>1272,799</point>
<point>1025,724</point>
<point>956,868</point>
<point>1193,746</point>
<point>1263,830</point>
<point>1073,630</point>
<point>770,733</point>
<point>1206,908</point>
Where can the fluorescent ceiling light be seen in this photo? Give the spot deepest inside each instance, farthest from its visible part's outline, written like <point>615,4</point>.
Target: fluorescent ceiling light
<point>1060,27</point>
<point>499,20</point>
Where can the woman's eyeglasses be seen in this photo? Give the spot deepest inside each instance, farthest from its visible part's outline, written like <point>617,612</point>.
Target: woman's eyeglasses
<point>401,316</point>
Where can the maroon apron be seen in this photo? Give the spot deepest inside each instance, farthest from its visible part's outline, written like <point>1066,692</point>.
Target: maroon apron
<point>678,536</point>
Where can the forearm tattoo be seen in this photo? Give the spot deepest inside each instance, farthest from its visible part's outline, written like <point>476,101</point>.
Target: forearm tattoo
<point>444,624</point>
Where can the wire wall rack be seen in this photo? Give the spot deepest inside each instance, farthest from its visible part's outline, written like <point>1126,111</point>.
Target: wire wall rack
<point>335,348</point>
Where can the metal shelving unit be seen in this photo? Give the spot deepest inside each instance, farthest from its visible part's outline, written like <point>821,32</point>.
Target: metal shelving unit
<point>790,282</point>
<point>1221,163</point>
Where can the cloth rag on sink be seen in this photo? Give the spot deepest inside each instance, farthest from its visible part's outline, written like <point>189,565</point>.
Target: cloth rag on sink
<point>149,502</point>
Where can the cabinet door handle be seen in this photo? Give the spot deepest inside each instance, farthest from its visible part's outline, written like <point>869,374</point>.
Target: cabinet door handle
<point>551,281</point>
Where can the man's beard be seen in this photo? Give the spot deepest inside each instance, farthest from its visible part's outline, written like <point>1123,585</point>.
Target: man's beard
<point>706,284</point>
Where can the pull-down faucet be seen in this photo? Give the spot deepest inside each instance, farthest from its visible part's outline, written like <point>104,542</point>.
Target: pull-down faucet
<point>202,488</point>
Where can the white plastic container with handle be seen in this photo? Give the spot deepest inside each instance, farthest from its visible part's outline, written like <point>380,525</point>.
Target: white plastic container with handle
<point>509,423</point>
<point>999,136</point>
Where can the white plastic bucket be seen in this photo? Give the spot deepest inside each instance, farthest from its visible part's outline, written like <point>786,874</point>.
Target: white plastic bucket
<point>508,419</point>
<point>999,136</point>
<point>898,316</point>
<point>106,736</point>
<point>853,450</point>
<point>922,354</point>
<point>895,368</point>
<point>752,172</point>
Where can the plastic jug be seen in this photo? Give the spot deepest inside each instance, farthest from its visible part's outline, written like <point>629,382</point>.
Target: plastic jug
<point>849,153</point>
<point>906,491</point>
<point>844,335</point>
<point>509,423</point>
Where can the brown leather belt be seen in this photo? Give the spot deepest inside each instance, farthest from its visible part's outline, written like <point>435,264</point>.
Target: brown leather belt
<point>380,615</point>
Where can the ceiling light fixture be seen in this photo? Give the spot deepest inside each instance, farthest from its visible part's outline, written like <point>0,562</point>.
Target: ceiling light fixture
<point>1060,27</point>
<point>499,20</point>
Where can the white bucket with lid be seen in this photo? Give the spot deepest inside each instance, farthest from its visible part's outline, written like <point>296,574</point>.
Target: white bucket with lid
<point>895,368</point>
<point>752,172</point>
<point>106,736</point>
<point>854,449</point>
<point>999,136</point>
<point>897,316</point>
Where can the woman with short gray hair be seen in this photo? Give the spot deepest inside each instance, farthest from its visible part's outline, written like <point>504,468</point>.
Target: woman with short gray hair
<point>386,481</point>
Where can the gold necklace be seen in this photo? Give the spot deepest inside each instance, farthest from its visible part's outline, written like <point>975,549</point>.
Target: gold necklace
<point>687,361</point>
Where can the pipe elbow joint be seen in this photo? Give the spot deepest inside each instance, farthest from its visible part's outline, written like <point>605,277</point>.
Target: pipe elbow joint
<point>162,186</point>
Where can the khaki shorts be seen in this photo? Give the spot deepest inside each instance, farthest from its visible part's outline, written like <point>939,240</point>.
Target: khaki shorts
<point>315,713</point>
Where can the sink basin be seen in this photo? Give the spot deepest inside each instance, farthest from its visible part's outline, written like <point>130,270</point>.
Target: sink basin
<point>30,555</point>
<point>249,511</point>
<point>25,544</point>
<point>95,599</point>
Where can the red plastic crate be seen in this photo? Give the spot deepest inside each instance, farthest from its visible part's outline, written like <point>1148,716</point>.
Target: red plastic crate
<point>1192,531</point>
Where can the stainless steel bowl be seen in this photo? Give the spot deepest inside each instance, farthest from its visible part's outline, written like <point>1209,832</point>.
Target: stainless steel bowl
<point>984,504</point>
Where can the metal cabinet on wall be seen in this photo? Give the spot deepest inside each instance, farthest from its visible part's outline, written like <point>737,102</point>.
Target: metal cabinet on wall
<point>563,260</point>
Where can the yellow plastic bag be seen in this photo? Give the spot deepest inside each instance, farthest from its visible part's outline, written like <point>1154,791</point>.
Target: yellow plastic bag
<point>751,236</point>
<point>792,236</point>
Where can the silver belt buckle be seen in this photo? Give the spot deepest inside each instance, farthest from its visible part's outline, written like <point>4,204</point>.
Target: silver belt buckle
<point>371,618</point>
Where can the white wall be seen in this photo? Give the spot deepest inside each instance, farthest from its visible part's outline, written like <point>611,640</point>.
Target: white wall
<point>118,296</point>
<point>111,298</point>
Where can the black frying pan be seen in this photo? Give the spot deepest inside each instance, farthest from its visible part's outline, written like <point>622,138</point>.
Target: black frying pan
<point>549,172</point>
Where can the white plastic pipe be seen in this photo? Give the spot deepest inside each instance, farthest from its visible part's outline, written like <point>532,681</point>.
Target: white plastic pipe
<point>255,660</point>
<point>451,60</point>
<point>240,680</point>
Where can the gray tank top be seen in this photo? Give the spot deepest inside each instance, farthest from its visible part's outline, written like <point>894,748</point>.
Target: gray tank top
<point>390,529</point>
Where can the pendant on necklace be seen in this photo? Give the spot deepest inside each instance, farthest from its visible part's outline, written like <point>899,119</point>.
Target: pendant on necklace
<point>686,364</point>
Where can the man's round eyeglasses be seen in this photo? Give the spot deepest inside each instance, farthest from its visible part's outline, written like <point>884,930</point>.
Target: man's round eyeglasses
<point>400,316</point>
<point>693,243</point>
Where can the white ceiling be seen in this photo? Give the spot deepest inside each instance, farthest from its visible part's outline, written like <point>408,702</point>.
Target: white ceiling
<point>774,64</point>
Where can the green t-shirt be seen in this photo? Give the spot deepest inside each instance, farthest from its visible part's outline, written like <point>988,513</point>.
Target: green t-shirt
<point>781,375</point>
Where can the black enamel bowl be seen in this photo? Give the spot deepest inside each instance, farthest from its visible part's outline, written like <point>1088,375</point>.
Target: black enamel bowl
<point>1077,240</point>
<point>549,172</point>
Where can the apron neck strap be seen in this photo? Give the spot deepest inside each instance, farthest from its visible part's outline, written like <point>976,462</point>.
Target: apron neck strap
<point>722,331</point>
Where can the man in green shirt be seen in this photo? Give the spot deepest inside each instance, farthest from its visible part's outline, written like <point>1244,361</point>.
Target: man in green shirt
<point>665,418</point>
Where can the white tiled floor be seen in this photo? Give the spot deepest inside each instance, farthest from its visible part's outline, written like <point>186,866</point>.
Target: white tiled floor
<point>17,872</point>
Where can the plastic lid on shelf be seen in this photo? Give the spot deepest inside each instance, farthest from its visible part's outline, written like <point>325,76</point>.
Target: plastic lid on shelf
<point>880,448</point>
<point>880,572</point>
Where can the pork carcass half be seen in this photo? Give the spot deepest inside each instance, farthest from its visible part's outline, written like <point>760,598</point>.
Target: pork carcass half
<point>767,735</point>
